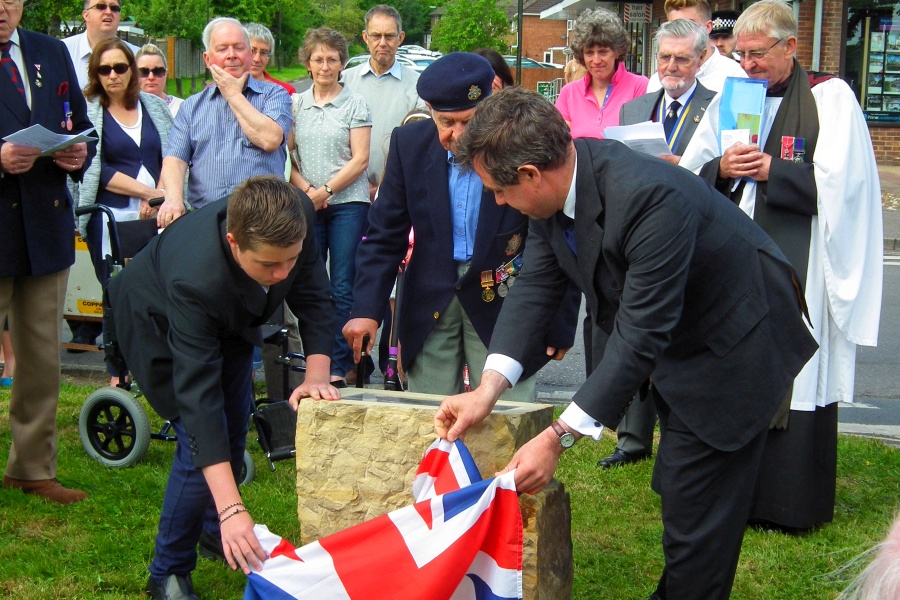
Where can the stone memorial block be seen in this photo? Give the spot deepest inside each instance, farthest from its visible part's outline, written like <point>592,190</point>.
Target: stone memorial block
<point>357,458</point>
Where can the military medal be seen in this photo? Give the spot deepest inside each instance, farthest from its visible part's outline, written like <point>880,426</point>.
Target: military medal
<point>513,245</point>
<point>793,149</point>
<point>487,282</point>
<point>38,83</point>
<point>503,290</point>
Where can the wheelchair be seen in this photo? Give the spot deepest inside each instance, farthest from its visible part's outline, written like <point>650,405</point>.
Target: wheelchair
<point>113,424</point>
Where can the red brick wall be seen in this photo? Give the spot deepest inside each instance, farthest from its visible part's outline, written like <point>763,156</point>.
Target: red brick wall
<point>886,143</point>
<point>539,35</point>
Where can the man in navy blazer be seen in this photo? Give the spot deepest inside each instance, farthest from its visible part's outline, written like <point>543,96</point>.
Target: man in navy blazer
<point>38,86</point>
<point>691,294</point>
<point>677,41</point>
<point>467,249</point>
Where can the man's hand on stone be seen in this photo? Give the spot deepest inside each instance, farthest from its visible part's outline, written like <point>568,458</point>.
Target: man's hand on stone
<point>457,413</point>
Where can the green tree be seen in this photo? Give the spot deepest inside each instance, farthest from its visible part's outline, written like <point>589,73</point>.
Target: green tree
<point>46,16</point>
<point>470,24</point>
<point>346,17</point>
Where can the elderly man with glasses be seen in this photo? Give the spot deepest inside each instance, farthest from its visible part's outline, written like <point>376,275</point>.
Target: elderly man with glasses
<point>714,68</point>
<point>812,184</point>
<point>101,21</point>
<point>262,45</point>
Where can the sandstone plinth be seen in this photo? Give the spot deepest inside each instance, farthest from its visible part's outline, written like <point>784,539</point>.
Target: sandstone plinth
<point>357,457</point>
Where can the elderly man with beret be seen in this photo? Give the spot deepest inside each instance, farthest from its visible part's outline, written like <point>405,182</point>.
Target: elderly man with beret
<point>468,249</point>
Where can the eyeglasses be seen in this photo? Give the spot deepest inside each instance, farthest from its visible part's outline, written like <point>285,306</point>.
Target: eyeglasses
<point>11,4</point>
<point>145,71</point>
<point>262,53</point>
<point>377,37</point>
<point>331,62</point>
<point>102,6</point>
<point>681,61</point>
<point>119,68</point>
<point>755,56</point>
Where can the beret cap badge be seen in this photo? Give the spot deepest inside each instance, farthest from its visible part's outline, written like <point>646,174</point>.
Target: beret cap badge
<point>474,93</point>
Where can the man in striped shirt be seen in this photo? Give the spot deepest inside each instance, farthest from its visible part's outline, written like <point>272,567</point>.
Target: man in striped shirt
<point>227,133</point>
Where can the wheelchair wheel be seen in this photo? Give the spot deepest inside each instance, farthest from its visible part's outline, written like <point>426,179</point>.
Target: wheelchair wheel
<point>114,427</point>
<point>248,470</point>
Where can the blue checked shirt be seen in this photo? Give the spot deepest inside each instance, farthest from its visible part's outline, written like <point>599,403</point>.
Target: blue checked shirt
<point>206,135</point>
<point>465,200</point>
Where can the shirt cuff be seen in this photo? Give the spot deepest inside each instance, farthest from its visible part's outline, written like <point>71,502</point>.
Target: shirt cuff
<point>581,422</point>
<point>506,366</point>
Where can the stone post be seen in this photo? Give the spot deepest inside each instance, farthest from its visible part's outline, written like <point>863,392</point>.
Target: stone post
<point>357,457</point>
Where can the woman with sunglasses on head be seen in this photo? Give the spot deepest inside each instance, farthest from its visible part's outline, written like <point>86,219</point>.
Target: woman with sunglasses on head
<point>152,68</point>
<point>133,128</point>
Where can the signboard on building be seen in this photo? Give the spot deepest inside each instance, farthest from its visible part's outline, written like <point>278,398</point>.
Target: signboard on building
<point>637,13</point>
<point>547,89</point>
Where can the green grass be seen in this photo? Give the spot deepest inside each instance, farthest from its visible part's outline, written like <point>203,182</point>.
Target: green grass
<point>291,73</point>
<point>100,548</point>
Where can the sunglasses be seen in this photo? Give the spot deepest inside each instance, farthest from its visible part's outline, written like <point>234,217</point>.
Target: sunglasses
<point>101,6</point>
<point>119,68</point>
<point>157,71</point>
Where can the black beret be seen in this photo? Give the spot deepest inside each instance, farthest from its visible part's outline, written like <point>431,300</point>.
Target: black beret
<point>723,22</point>
<point>456,81</point>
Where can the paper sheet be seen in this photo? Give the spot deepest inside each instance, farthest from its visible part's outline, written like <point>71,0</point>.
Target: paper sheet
<point>45,140</point>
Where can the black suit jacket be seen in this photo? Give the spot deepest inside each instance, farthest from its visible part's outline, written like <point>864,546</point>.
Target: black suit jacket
<point>415,193</point>
<point>644,108</point>
<point>36,221</point>
<point>183,298</point>
<point>691,292</point>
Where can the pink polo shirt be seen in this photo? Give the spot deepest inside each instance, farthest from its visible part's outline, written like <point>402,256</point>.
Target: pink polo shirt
<point>578,105</point>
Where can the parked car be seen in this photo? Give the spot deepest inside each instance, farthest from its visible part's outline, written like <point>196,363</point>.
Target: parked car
<point>415,62</point>
<point>527,63</point>
<point>414,49</point>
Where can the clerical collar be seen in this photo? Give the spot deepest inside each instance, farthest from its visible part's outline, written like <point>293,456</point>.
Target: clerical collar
<point>777,90</point>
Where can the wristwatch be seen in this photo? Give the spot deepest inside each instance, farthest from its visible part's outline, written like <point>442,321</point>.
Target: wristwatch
<point>329,190</point>
<point>566,439</point>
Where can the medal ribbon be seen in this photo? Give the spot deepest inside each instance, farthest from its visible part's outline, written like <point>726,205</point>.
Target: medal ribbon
<point>676,131</point>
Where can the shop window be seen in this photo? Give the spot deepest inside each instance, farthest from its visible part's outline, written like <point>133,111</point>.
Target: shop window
<point>873,58</point>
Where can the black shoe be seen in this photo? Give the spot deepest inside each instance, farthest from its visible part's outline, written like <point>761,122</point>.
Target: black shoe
<point>619,457</point>
<point>173,587</point>
<point>210,547</point>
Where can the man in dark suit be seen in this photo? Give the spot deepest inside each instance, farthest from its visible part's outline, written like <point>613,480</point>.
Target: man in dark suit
<point>690,293</point>
<point>467,249</point>
<point>186,313</point>
<point>38,86</point>
<point>681,45</point>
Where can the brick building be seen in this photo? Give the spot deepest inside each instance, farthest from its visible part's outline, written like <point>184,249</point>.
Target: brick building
<point>858,40</point>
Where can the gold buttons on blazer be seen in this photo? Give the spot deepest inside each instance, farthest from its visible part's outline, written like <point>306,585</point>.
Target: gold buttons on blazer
<point>56,203</point>
<point>436,315</point>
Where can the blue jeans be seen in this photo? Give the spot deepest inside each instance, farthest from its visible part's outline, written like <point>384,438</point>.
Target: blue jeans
<point>187,507</point>
<point>339,229</point>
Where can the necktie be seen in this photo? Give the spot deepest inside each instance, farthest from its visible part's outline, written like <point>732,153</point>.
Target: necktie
<point>568,227</point>
<point>671,118</point>
<point>10,67</point>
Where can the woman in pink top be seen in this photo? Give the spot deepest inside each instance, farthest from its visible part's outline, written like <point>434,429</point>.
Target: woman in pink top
<point>591,104</point>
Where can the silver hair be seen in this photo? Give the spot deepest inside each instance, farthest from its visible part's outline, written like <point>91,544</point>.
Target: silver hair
<point>684,28</point>
<point>255,31</point>
<point>215,24</point>
<point>599,27</point>
<point>772,18</point>
<point>151,50</point>
<point>385,10</point>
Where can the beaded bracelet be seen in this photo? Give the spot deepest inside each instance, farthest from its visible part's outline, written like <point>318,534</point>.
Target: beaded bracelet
<point>237,511</point>
<point>224,510</point>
